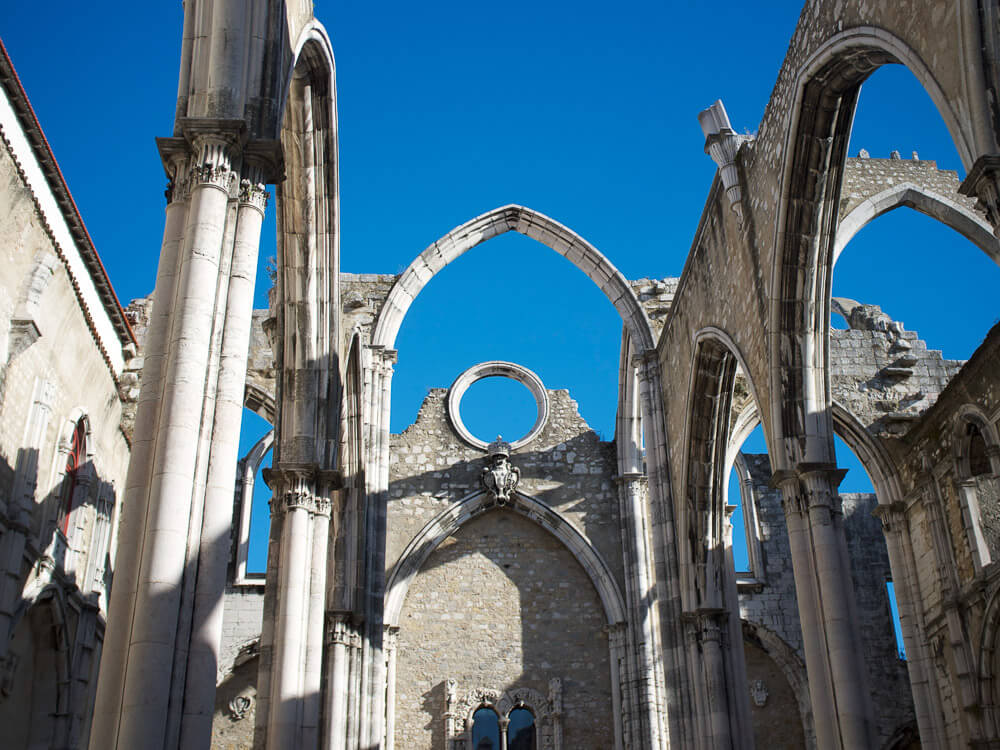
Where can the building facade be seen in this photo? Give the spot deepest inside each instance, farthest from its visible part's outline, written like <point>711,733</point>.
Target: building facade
<point>429,589</point>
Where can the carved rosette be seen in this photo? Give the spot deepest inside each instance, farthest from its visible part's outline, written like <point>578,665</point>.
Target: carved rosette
<point>499,477</point>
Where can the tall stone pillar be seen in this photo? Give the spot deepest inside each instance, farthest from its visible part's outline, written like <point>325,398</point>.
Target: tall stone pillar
<point>156,688</point>
<point>646,713</point>
<point>919,662</point>
<point>838,686</point>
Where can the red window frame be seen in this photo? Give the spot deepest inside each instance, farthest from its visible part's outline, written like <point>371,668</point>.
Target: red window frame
<point>74,460</point>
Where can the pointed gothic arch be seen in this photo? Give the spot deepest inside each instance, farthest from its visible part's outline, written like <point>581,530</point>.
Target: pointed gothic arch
<point>949,212</point>
<point>513,218</point>
<point>822,112</point>
<point>448,521</point>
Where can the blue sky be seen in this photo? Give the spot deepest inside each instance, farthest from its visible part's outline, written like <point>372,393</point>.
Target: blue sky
<point>582,111</point>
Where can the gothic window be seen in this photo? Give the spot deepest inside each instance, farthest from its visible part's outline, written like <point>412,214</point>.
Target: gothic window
<point>485,730</point>
<point>71,479</point>
<point>979,462</point>
<point>521,730</point>
<point>979,492</point>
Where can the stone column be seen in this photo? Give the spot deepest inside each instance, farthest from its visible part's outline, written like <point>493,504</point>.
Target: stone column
<point>663,595</point>
<point>312,668</point>
<point>293,498</point>
<point>618,645</point>
<point>504,722</point>
<point>149,632</point>
<point>646,713</point>
<point>338,640</point>
<point>391,636</point>
<point>374,671</point>
<point>919,663</point>
<point>223,456</point>
<point>838,687</point>
<point>711,625</point>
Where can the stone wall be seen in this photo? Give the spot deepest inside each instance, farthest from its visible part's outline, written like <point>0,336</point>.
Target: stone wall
<point>502,604</point>
<point>566,466</point>
<point>506,589</point>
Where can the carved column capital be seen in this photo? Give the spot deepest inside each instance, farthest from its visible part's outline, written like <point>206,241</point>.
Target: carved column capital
<point>646,364</point>
<point>983,184</point>
<point>809,486</point>
<point>339,628</point>
<point>892,516</point>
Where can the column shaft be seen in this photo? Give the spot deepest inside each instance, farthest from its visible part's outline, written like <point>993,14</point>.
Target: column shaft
<point>199,698</point>
<point>838,683</point>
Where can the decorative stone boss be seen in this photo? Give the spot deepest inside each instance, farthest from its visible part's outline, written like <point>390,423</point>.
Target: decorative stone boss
<point>499,477</point>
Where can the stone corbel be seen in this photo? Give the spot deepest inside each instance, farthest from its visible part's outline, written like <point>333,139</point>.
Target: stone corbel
<point>722,143</point>
<point>983,184</point>
<point>892,516</point>
<point>23,333</point>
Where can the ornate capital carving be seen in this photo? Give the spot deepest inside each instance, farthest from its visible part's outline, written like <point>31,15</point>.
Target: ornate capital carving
<point>983,184</point>
<point>254,194</point>
<point>892,516</point>
<point>339,630</point>
<point>810,485</point>
<point>302,486</point>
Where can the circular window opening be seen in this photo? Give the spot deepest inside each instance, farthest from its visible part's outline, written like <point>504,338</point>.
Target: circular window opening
<point>498,405</point>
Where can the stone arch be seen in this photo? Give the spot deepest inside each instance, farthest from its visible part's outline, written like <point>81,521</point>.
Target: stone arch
<point>707,458</point>
<point>826,92</point>
<point>988,661</point>
<point>708,581</point>
<point>475,504</point>
<point>877,462</point>
<point>259,401</point>
<point>40,624</point>
<point>246,478</point>
<point>949,212</point>
<point>791,667</point>
<point>306,344</point>
<point>513,218</point>
<point>349,543</point>
<point>970,415</point>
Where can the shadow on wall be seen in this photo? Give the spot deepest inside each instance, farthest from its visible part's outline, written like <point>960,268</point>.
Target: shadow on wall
<point>501,605</point>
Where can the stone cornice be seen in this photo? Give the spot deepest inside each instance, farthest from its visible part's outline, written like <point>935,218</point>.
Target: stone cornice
<point>69,213</point>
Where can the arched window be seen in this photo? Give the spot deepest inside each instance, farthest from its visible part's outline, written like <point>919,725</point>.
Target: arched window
<point>979,462</point>
<point>485,730</point>
<point>521,730</point>
<point>71,478</point>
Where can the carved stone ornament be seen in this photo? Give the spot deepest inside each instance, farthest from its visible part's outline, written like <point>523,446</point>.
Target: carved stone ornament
<point>758,693</point>
<point>499,478</point>
<point>239,707</point>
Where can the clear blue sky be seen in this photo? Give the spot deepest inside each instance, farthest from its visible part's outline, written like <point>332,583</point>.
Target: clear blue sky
<point>583,111</point>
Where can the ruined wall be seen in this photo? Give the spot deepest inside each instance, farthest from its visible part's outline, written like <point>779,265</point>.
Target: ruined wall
<point>771,603</point>
<point>507,590</point>
<point>566,466</point>
<point>956,610</point>
<point>502,604</point>
<point>884,379</point>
